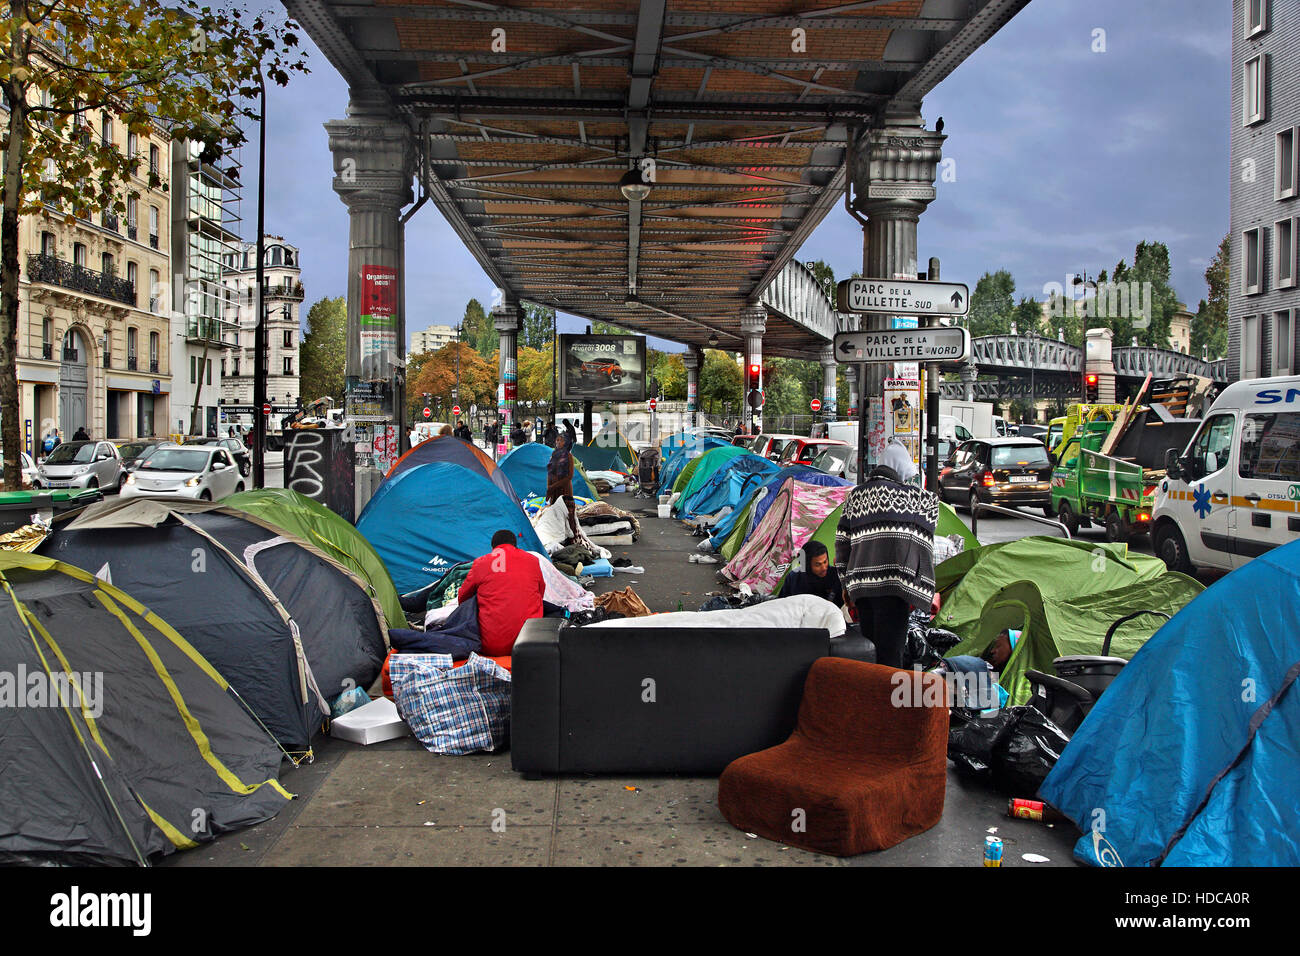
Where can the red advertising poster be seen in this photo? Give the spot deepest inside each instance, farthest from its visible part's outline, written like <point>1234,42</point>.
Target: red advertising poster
<point>378,315</point>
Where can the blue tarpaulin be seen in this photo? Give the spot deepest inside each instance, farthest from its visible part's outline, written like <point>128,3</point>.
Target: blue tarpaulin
<point>432,516</point>
<point>728,486</point>
<point>676,461</point>
<point>1190,757</point>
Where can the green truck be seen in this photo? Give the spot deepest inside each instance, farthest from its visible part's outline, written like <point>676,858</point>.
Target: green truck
<point>1089,487</point>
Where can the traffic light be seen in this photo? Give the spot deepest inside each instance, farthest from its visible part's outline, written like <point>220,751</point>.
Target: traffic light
<point>1090,387</point>
<point>754,385</point>
<point>755,376</point>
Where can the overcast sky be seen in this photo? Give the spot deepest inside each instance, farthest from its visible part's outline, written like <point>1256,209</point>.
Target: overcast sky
<point>1064,159</point>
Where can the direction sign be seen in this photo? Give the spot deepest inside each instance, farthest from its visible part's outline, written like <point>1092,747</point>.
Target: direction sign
<point>428,412</point>
<point>902,297</point>
<point>944,344</point>
<point>455,409</point>
<point>815,404</point>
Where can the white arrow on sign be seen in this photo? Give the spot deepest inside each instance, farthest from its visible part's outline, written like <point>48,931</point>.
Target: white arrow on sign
<point>944,344</point>
<point>902,297</point>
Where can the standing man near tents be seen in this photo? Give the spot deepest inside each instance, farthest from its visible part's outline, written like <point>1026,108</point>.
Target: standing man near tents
<point>884,550</point>
<point>559,481</point>
<point>571,433</point>
<point>517,435</point>
<point>551,433</point>
<point>509,586</point>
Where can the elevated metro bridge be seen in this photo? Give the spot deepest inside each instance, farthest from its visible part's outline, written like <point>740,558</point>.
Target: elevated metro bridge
<point>655,164</point>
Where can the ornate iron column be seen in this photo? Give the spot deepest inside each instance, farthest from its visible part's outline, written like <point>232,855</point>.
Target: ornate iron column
<point>506,318</point>
<point>753,322</point>
<point>694,361</point>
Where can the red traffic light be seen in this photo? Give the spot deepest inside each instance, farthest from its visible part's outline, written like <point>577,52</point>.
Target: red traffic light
<point>1092,378</point>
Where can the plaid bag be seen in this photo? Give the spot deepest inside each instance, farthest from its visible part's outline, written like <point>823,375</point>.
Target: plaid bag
<point>453,710</point>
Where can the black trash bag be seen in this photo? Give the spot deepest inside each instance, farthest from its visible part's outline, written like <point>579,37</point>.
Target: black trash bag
<point>582,618</point>
<point>1025,752</point>
<point>971,738</point>
<point>926,645</point>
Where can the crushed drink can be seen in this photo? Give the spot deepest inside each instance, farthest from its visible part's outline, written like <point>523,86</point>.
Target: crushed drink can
<point>1025,809</point>
<point>992,851</point>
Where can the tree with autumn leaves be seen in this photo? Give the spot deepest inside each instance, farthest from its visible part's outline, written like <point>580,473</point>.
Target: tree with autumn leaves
<point>192,70</point>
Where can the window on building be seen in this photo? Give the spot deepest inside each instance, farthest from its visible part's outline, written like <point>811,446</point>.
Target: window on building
<point>106,265</point>
<point>132,336</point>
<point>106,130</point>
<point>1256,17</point>
<point>153,220</point>
<point>48,246</point>
<point>1250,346</point>
<point>132,145</point>
<point>288,365</point>
<point>1284,252</point>
<point>223,368</point>
<point>1286,160</point>
<point>1283,343</point>
<point>209,371</point>
<point>288,338</point>
<point>154,341</point>
<point>47,331</point>
<point>133,275</point>
<point>1252,261</point>
<point>1254,89</point>
<point>79,254</point>
<point>153,290</point>
<point>132,211</point>
<point>155,161</point>
<point>234,365</point>
<point>194,369</point>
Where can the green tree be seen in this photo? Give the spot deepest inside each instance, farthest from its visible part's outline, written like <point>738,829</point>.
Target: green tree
<point>1210,325</point>
<point>535,326</point>
<point>478,330</point>
<point>720,381</point>
<point>176,64</point>
<point>992,304</point>
<point>669,370</point>
<point>322,355</point>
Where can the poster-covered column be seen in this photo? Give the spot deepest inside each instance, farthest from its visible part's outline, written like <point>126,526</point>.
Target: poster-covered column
<point>753,323</point>
<point>374,163</point>
<point>829,395</point>
<point>506,317</point>
<point>694,361</point>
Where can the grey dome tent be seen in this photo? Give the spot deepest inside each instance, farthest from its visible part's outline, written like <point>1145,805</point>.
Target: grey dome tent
<point>286,624</point>
<point>145,752</point>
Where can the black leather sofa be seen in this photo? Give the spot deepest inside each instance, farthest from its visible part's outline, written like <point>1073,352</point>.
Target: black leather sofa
<point>690,700</point>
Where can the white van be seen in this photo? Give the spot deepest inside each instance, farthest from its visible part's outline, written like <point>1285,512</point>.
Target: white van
<point>576,419</point>
<point>1234,493</point>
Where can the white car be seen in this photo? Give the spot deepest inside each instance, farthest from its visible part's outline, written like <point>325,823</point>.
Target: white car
<point>29,469</point>
<point>205,472</point>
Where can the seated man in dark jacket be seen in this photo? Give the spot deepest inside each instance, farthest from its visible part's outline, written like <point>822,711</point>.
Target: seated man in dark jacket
<point>817,576</point>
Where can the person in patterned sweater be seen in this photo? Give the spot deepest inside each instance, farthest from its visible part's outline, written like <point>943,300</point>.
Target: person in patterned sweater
<point>884,552</point>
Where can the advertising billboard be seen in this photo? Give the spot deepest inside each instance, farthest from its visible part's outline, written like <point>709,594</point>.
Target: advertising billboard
<point>606,368</point>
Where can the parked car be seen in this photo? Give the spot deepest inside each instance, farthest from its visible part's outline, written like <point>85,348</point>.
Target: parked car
<point>1036,432</point>
<point>1012,472</point>
<point>771,446</point>
<point>840,461</point>
<point>802,451</point>
<point>28,466</point>
<point>206,472</point>
<point>236,448</point>
<point>135,452</point>
<point>81,464</point>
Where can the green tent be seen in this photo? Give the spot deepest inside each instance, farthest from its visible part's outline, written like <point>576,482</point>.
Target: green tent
<point>611,439</point>
<point>600,458</point>
<point>322,528</point>
<point>1063,568</point>
<point>734,540</point>
<point>1072,625</point>
<point>700,470</point>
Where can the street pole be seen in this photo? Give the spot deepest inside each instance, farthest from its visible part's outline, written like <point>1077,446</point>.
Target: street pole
<point>259,334</point>
<point>455,399</point>
<point>932,402</point>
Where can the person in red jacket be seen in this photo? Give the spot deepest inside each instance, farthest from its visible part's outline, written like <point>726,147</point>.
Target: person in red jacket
<point>509,586</point>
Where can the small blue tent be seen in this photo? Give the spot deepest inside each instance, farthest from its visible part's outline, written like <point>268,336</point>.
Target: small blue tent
<point>432,516</point>
<point>728,486</point>
<point>1189,757</point>
<point>454,451</point>
<point>676,462</point>
<point>525,466</point>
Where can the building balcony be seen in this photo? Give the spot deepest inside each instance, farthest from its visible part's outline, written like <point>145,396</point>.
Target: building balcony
<point>153,240</point>
<point>69,275</point>
<point>131,230</point>
<point>201,330</point>
<point>47,351</point>
<point>292,291</point>
<point>153,366</point>
<point>131,363</point>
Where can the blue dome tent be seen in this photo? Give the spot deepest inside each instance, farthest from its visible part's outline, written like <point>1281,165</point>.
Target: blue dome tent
<point>525,466</point>
<point>1189,755</point>
<point>430,517</point>
<point>729,485</point>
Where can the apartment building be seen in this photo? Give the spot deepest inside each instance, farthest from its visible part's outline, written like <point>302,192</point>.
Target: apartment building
<point>282,305</point>
<point>1263,294</point>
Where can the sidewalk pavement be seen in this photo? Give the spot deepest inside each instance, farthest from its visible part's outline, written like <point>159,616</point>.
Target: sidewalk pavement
<point>394,804</point>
